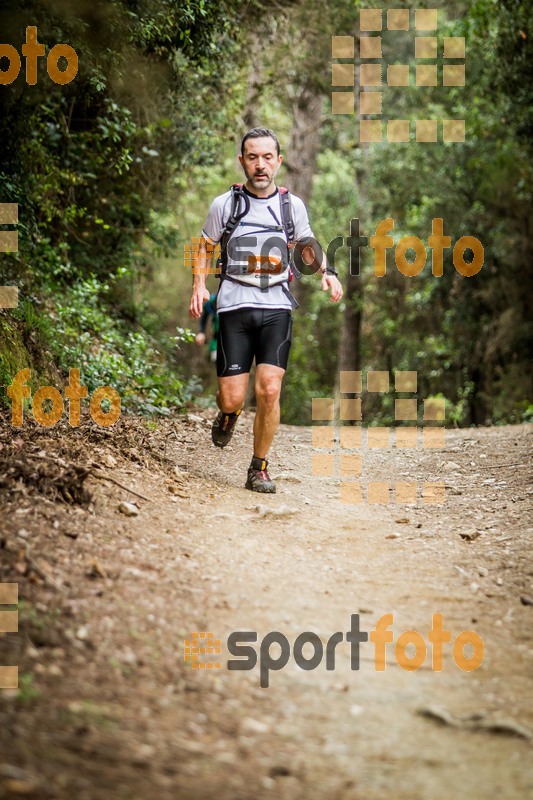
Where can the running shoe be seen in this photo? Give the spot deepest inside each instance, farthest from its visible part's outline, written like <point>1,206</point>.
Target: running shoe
<point>223,426</point>
<point>258,477</point>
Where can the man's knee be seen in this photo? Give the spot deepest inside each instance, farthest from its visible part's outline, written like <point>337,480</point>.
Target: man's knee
<point>231,398</point>
<point>230,402</point>
<point>268,391</point>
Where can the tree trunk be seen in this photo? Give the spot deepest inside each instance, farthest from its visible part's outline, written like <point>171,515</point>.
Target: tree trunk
<point>300,161</point>
<point>250,116</point>
<point>350,339</point>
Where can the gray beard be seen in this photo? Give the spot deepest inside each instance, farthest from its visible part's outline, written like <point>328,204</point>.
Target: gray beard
<point>260,183</point>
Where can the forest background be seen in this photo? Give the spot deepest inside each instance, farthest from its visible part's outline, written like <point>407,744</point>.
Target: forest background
<point>114,172</point>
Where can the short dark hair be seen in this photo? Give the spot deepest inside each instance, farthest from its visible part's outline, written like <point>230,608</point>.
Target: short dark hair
<point>257,133</point>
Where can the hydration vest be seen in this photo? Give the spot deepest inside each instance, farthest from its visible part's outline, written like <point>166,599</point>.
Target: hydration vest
<point>260,277</point>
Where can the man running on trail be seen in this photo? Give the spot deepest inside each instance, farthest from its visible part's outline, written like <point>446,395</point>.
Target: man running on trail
<point>254,224</point>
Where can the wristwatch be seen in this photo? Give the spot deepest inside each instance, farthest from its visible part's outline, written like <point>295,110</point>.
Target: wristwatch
<point>330,271</point>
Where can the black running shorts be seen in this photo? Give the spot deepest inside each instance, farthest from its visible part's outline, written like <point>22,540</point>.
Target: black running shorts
<point>248,332</point>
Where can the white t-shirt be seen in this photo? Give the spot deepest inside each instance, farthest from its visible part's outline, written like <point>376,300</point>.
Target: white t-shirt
<point>265,211</point>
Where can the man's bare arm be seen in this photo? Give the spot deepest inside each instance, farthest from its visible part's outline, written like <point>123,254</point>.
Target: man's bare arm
<point>200,271</point>
<point>330,281</point>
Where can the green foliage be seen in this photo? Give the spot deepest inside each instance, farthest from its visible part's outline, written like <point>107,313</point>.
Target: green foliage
<point>468,338</point>
<point>108,352</point>
<point>13,354</point>
<point>91,165</point>
<point>27,691</point>
<point>114,172</point>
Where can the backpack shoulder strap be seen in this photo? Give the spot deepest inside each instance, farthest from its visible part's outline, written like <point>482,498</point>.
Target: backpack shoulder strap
<point>286,213</point>
<point>234,217</point>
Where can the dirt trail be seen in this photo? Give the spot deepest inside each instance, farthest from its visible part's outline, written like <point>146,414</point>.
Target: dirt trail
<point>108,708</point>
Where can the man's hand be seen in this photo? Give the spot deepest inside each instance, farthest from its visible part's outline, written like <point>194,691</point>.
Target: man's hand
<point>331,282</point>
<point>199,294</point>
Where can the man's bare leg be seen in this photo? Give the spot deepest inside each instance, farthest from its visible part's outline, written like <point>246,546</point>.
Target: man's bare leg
<point>232,392</point>
<point>268,379</point>
<point>230,400</point>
